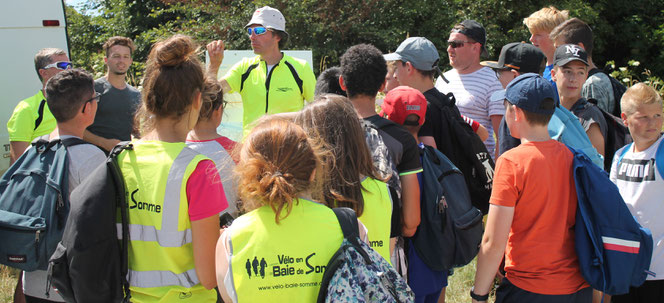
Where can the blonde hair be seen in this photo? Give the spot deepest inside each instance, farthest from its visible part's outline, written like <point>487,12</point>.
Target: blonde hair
<point>639,94</point>
<point>277,161</point>
<point>545,19</point>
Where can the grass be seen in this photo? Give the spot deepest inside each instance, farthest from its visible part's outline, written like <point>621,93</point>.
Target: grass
<point>460,282</point>
<point>8,277</point>
<point>457,290</point>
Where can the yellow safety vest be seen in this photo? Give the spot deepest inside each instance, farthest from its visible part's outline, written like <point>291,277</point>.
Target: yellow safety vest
<point>283,89</point>
<point>377,215</point>
<point>282,262</point>
<point>31,119</point>
<point>161,259</point>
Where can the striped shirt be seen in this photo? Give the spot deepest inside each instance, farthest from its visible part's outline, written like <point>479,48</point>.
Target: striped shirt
<point>473,94</point>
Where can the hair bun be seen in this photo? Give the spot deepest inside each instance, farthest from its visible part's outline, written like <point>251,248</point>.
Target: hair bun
<point>174,51</point>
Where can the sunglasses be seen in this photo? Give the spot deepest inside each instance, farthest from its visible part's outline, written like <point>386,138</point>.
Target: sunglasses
<point>457,43</point>
<point>256,30</point>
<point>60,65</point>
<point>95,98</point>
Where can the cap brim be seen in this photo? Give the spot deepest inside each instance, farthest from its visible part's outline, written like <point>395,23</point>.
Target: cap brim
<point>563,62</point>
<point>492,64</point>
<point>498,95</point>
<point>392,57</point>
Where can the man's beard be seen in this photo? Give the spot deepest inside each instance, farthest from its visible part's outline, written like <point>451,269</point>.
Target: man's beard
<point>119,73</point>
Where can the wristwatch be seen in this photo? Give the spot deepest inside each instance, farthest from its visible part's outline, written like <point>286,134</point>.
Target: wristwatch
<point>478,297</point>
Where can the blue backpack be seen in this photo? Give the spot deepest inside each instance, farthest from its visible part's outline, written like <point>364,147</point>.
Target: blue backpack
<point>451,229</point>
<point>34,204</point>
<point>614,250</point>
<point>358,274</point>
<point>565,127</point>
<point>659,156</point>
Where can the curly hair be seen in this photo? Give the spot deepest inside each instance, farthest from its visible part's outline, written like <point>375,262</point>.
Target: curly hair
<point>277,161</point>
<point>363,69</point>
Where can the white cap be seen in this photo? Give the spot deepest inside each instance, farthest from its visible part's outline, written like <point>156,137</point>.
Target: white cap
<point>269,18</point>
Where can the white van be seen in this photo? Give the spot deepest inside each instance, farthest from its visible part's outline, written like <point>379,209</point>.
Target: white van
<point>25,28</point>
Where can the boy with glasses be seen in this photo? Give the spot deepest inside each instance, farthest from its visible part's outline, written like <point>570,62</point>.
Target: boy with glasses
<point>73,102</point>
<point>471,83</point>
<point>31,117</point>
<point>271,82</point>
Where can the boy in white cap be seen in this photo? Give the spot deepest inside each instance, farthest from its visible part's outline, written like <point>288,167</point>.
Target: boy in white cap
<point>271,82</point>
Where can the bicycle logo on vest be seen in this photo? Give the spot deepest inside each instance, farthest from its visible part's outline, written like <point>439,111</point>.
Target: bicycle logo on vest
<point>286,266</point>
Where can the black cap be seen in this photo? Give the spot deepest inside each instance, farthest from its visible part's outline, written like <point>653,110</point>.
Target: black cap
<point>568,53</point>
<point>523,57</point>
<point>474,30</point>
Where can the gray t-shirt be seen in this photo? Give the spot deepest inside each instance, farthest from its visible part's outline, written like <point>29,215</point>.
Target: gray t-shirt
<point>588,114</point>
<point>83,159</point>
<point>598,87</point>
<point>115,114</point>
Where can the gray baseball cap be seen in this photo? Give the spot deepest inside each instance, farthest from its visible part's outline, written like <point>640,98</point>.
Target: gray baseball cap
<point>419,51</point>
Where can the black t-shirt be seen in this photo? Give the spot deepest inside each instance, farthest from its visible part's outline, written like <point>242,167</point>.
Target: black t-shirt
<point>433,127</point>
<point>401,144</point>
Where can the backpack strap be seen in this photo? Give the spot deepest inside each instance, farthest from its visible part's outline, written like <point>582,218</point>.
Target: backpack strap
<point>121,202</point>
<point>40,113</point>
<point>296,77</point>
<point>246,74</point>
<point>69,142</point>
<point>624,151</point>
<point>351,230</point>
<point>659,159</point>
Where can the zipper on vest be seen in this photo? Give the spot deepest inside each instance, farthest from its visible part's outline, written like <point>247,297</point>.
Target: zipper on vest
<point>267,84</point>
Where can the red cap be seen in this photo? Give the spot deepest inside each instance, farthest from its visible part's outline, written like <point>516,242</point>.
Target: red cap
<point>403,101</point>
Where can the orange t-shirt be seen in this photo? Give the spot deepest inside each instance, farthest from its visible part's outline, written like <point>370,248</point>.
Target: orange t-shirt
<point>536,179</point>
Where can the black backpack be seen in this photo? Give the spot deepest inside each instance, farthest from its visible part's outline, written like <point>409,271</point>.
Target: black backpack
<point>90,263</point>
<point>464,148</point>
<point>451,229</point>
<point>617,135</point>
<point>618,90</point>
<point>34,204</point>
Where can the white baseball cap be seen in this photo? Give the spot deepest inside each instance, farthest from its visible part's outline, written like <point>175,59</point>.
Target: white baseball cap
<point>269,18</point>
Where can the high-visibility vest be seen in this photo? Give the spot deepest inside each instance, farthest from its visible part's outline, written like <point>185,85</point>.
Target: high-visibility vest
<point>161,259</point>
<point>31,119</point>
<point>377,215</point>
<point>282,262</point>
<point>282,89</point>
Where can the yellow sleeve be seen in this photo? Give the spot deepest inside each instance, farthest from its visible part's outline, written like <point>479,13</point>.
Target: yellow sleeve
<point>21,124</point>
<point>308,83</point>
<point>234,75</point>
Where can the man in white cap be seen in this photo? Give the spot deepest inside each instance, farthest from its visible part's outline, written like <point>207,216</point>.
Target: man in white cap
<point>271,82</point>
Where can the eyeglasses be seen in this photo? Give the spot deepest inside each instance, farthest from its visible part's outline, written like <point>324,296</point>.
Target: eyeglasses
<point>95,98</point>
<point>60,65</point>
<point>458,43</point>
<point>257,30</point>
